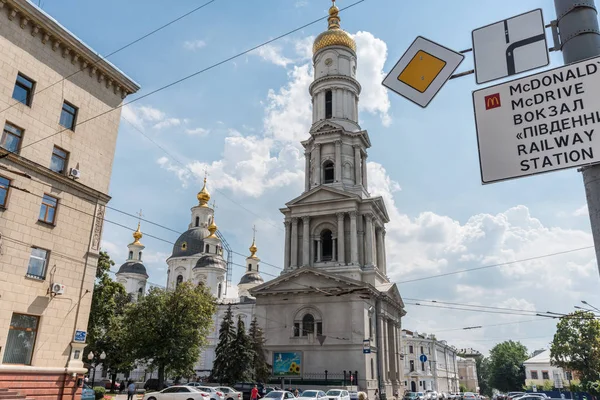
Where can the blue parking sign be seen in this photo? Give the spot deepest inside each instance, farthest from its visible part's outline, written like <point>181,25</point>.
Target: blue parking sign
<point>80,336</point>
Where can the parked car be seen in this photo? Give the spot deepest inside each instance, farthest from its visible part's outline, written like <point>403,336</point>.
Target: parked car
<point>512,395</point>
<point>313,395</point>
<point>229,393</point>
<point>353,394</point>
<point>246,387</point>
<point>420,396</point>
<point>279,395</point>
<point>270,389</point>
<point>152,384</point>
<point>215,394</point>
<point>178,393</point>
<point>469,396</point>
<point>338,394</point>
<point>87,393</point>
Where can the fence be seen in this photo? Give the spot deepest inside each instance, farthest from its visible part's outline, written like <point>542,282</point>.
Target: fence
<point>326,378</point>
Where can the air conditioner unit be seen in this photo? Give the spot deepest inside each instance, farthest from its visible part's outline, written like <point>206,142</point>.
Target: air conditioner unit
<point>75,173</point>
<point>58,289</point>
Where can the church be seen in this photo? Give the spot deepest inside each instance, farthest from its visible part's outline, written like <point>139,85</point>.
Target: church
<point>332,310</point>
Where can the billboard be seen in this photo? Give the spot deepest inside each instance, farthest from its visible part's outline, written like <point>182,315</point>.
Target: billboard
<point>287,364</point>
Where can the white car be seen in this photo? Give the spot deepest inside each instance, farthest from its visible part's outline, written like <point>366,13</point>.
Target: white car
<point>338,394</point>
<point>178,393</point>
<point>230,393</point>
<point>215,394</point>
<point>313,395</point>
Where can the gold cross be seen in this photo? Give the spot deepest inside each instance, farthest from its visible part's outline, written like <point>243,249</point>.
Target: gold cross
<point>140,215</point>
<point>214,204</point>
<point>254,229</point>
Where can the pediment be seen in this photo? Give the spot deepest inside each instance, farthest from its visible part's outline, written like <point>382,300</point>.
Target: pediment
<point>392,292</point>
<point>322,194</point>
<point>325,127</point>
<point>309,280</point>
<point>380,204</point>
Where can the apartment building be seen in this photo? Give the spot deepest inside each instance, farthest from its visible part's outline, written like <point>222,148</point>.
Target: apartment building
<point>55,168</point>
<point>429,364</point>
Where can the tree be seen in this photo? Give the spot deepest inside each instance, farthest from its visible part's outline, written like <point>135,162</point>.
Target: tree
<point>242,348</point>
<point>167,329</point>
<point>105,325</point>
<point>506,370</point>
<point>576,345</point>
<point>482,364</point>
<point>221,371</point>
<point>259,365</point>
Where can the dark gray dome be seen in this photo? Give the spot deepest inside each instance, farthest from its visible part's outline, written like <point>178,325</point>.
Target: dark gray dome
<point>253,277</point>
<point>133,267</point>
<point>189,243</point>
<point>211,260</point>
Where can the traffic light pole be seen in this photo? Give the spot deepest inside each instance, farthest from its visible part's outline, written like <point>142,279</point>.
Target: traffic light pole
<point>580,39</point>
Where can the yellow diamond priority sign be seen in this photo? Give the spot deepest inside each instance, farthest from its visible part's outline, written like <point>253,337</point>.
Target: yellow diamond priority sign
<point>422,71</point>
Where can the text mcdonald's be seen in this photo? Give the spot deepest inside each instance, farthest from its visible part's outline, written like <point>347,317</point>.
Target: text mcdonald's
<point>492,101</point>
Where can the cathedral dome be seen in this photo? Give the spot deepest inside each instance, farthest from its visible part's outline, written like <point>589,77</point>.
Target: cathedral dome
<point>133,267</point>
<point>189,243</point>
<point>211,260</point>
<point>251,278</point>
<point>334,36</point>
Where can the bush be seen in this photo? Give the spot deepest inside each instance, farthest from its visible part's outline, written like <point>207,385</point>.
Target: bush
<point>99,391</point>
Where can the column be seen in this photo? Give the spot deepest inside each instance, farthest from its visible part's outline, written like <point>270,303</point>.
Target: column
<point>344,104</point>
<point>294,243</point>
<point>338,160</point>
<point>380,257</point>
<point>306,171</point>
<point>306,241</point>
<point>357,164</point>
<point>369,237</point>
<point>334,255</point>
<point>317,161</point>
<point>392,352</point>
<point>398,347</point>
<point>286,262</point>
<point>319,249</point>
<point>381,348</point>
<point>338,103</point>
<point>387,349</point>
<point>353,238</point>
<point>384,253</point>
<point>320,98</point>
<point>364,172</point>
<point>355,107</point>
<point>341,238</point>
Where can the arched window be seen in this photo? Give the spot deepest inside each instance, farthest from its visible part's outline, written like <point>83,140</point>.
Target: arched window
<point>308,324</point>
<point>328,172</point>
<point>140,292</point>
<point>140,256</point>
<point>197,221</point>
<point>207,248</point>
<point>327,245</point>
<point>130,255</point>
<point>179,280</point>
<point>219,291</point>
<point>328,104</point>
<point>249,267</point>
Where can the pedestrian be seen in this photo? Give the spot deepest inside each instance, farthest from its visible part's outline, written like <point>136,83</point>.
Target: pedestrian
<point>122,386</point>
<point>130,390</point>
<point>254,393</point>
<point>376,395</point>
<point>296,393</point>
<point>362,396</point>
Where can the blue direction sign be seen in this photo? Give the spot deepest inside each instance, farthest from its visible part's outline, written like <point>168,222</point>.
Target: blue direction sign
<point>80,336</point>
<point>423,358</point>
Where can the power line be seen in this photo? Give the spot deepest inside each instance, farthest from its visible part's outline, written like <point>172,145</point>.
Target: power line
<point>539,319</point>
<point>480,311</point>
<point>102,58</point>
<point>470,305</point>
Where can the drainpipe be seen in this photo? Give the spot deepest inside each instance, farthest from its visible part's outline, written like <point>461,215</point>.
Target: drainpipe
<point>377,345</point>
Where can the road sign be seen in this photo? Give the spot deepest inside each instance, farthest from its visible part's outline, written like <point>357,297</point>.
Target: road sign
<point>509,47</point>
<point>80,336</point>
<point>544,122</point>
<point>366,346</point>
<point>534,388</point>
<point>423,358</point>
<point>422,71</point>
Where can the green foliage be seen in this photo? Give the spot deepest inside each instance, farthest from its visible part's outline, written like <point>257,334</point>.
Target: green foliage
<point>593,388</point>
<point>576,345</point>
<point>167,329</point>
<point>506,372</point>
<point>575,386</point>
<point>463,388</point>
<point>482,365</point>
<point>224,357</point>
<point>261,370</point>
<point>99,392</point>
<point>547,386</point>
<point>242,348</point>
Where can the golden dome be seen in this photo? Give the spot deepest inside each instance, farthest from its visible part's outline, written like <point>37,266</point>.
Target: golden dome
<point>137,235</point>
<point>203,196</point>
<point>334,36</point>
<point>212,228</point>
<point>253,249</point>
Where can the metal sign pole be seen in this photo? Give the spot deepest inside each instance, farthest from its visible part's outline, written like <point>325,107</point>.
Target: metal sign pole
<point>580,39</point>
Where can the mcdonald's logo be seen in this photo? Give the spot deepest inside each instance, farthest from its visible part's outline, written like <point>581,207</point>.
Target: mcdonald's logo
<point>492,101</point>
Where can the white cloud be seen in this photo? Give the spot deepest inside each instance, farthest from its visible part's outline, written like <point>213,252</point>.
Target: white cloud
<point>272,54</point>
<point>304,48</point>
<point>197,132</point>
<point>371,53</point>
<point>300,3</point>
<point>168,123</point>
<point>194,45</point>
<point>581,211</point>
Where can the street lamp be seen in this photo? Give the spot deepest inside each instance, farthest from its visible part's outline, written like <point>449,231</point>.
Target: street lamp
<point>588,304</point>
<point>91,358</point>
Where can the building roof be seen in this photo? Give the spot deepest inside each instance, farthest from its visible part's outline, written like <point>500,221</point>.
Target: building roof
<point>251,277</point>
<point>133,267</point>
<point>542,358</point>
<point>211,260</point>
<point>189,243</point>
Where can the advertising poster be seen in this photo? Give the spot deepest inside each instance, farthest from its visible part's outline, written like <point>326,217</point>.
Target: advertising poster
<point>287,364</point>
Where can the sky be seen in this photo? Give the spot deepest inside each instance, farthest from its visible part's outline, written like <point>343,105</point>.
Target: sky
<point>244,119</point>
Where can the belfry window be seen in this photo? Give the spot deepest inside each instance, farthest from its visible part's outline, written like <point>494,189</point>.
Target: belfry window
<point>308,324</point>
<point>327,245</point>
<point>197,221</point>
<point>249,267</point>
<point>140,257</point>
<point>207,249</point>
<point>179,280</point>
<point>219,291</point>
<point>328,104</point>
<point>131,255</point>
<point>328,172</point>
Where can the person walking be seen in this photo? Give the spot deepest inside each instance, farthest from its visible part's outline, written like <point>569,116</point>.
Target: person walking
<point>130,390</point>
<point>254,393</point>
<point>376,395</point>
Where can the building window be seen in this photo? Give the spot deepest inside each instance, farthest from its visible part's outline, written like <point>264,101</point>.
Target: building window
<point>412,365</point>
<point>207,248</point>
<point>11,138</point>
<point>319,328</point>
<point>48,209</point>
<point>296,329</point>
<point>4,187</point>
<point>545,375</point>
<point>328,104</point>
<point>372,369</point>
<point>140,256</point>
<point>534,375</point>
<point>370,327</point>
<point>140,292</point>
<point>422,350</point>
<point>179,280</point>
<point>131,255</point>
<point>328,172</point>
<point>58,163</point>
<point>410,349</point>
<point>197,221</point>
<point>21,339</point>
<point>249,267</point>
<point>68,116</point>
<point>38,261</point>
<point>23,91</point>
<point>326,245</point>
<point>422,366</point>
<point>219,291</point>
<point>308,324</point>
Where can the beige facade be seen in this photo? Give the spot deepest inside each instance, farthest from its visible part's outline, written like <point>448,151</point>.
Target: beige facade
<point>37,327</point>
<point>467,369</point>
